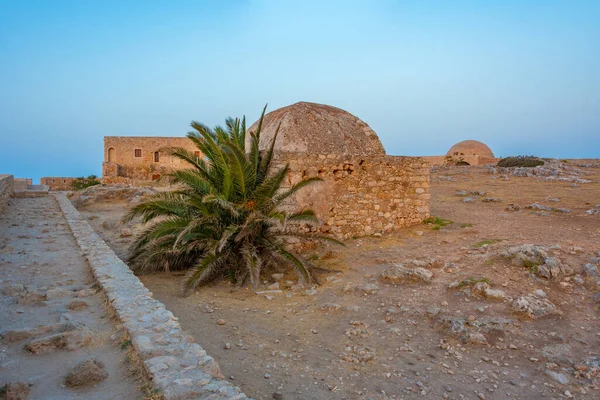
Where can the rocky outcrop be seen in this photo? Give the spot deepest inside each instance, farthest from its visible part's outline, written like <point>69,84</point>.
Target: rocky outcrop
<point>400,274</point>
<point>535,305</point>
<point>538,260</point>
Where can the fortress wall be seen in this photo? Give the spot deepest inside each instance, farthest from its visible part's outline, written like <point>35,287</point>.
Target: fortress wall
<point>20,184</point>
<point>58,182</point>
<point>360,195</point>
<point>135,157</point>
<point>434,160</point>
<point>6,189</point>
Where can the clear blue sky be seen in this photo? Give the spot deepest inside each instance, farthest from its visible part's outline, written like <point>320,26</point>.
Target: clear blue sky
<point>521,76</point>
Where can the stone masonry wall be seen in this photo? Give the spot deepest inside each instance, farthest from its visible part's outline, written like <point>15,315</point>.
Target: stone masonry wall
<point>471,159</point>
<point>57,182</point>
<point>360,195</point>
<point>179,368</point>
<point>120,157</point>
<point>6,189</point>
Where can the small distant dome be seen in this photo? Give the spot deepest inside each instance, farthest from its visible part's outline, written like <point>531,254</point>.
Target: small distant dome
<point>470,148</point>
<point>317,129</point>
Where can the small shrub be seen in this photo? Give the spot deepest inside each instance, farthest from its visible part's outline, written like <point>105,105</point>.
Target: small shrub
<point>466,226</point>
<point>437,222</point>
<point>486,242</point>
<point>472,281</point>
<point>82,182</point>
<point>520,161</point>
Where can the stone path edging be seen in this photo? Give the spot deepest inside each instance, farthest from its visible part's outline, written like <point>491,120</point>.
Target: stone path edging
<point>180,368</point>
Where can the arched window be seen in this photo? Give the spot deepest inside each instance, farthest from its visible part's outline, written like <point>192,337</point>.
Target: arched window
<point>112,157</point>
<point>156,156</point>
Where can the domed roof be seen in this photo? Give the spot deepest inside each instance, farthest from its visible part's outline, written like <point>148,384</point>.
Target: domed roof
<point>317,129</point>
<point>470,148</point>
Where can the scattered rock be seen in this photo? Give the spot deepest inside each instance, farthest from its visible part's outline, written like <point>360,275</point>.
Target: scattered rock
<point>330,307</point>
<point>86,373</point>
<point>274,286</point>
<point>70,340</point>
<point>398,273</point>
<point>85,292</point>
<point>540,207</point>
<point>492,200</point>
<point>473,330</point>
<point>369,288</point>
<point>220,322</point>
<point>58,293</point>
<point>557,377</point>
<point>16,335</point>
<point>495,294</point>
<point>591,270</point>
<point>77,304</point>
<point>433,311</point>
<point>126,232</point>
<point>12,289</point>
<point>16,391</point>
<point>534,307</point>
<point>538,261</point>
<point>277,277</point>
<point>559,353</point>
<point>513,207</point>
<point>109,224</point>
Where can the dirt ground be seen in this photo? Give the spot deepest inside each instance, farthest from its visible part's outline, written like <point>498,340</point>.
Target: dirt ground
<point>357,336</point>
<point>46,283</point>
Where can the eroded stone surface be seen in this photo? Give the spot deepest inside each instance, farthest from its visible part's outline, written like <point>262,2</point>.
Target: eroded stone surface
<point>179,367</point>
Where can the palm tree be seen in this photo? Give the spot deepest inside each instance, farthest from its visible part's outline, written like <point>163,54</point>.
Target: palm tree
<point>224,220</point>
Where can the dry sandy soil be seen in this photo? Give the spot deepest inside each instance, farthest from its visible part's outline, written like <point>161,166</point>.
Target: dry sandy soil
<point>357,336</point>
<point>47,294</point>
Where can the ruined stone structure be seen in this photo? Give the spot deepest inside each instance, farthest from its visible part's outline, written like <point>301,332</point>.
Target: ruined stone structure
<point>467,152</point>
<point>6,189</point>
<point>364,191</point>
<point>21,184</point>
<point>141,157</point>
<point>57,182</point>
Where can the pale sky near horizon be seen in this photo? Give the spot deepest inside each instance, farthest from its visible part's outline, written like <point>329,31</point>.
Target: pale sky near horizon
<point>521,76</point>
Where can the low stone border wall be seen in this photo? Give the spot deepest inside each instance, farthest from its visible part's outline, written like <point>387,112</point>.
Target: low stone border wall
<point>6,189</point>
<point>180,368</point>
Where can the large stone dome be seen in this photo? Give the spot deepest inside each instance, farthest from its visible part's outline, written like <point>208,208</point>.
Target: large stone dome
<point>470,148</point>
<point>317,129</point>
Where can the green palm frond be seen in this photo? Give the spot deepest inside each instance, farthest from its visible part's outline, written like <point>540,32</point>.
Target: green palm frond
<point>223,218</point>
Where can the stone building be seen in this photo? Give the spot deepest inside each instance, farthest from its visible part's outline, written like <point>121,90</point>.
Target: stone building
<point>467,152</point>
<point>141,157</point>
<point>364,191</point>
<point>57,182</point>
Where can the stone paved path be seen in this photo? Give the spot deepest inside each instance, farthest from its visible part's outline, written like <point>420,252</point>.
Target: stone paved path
<point>46,282</point>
